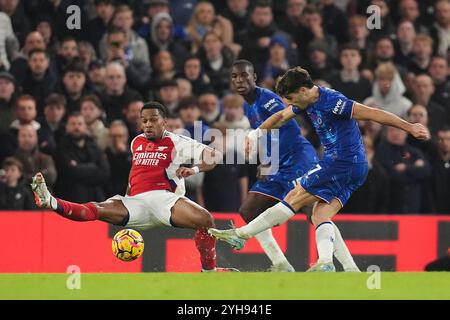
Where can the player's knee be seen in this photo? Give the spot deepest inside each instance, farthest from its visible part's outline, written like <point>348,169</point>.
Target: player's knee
<point>318,218</point>
<point>205,219</point>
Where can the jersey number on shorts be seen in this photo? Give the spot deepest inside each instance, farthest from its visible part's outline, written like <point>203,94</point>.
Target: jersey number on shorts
<point>310,172</point>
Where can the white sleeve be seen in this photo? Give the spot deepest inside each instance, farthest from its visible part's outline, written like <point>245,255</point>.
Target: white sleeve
<point>188,150</point>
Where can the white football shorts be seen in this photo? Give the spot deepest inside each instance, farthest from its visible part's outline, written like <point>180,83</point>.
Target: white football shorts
<point>149,209</point>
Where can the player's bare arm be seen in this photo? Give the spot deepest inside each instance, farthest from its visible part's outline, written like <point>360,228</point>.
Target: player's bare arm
<point>210,159</point>
<point>363,112</point>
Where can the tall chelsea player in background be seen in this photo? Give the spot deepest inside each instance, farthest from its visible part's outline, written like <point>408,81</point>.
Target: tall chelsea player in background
<point>296,157</point>
<point>342,170</point>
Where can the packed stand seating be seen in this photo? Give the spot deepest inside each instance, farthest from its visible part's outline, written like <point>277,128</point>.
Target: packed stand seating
<point>70,99</point>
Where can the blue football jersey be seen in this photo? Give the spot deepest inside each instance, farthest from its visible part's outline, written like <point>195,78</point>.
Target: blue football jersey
<point>339,134</point>
<point>294,150</point>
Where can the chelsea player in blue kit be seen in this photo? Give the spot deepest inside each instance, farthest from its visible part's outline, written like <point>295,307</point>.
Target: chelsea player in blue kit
<point>295,157</point>
<point>341,171</point>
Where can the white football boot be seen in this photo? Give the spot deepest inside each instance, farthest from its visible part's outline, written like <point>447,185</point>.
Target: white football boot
<point>42,196</point>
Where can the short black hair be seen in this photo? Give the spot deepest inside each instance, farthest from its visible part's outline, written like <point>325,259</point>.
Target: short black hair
<point>349,46</point>
<point>39,50</point>
<point>292,80</point>
<point>245,63</point>
<point>75,66</point>
<point>444,128</point>
<point>156,105</point>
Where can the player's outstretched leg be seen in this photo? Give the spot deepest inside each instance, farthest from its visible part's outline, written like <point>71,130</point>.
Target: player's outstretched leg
<point>253,205</point>
<point>274,216</point>
<point>69,210</point>
<point>188,214</point>
<point>111,211</point>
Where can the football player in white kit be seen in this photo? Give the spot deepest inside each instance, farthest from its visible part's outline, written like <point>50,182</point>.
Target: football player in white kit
<point>155,193</point>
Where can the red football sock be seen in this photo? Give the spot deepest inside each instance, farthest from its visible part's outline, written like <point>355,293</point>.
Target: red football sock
<point>206,245</point>
<point>77,212</point>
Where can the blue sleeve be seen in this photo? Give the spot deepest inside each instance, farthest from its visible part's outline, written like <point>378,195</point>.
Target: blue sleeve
<point>296,109</point>
<point>273,104</point>
<point>340,105</point>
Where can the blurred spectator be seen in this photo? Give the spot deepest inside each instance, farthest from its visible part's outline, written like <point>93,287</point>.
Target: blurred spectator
<point>6,36</point>
<point>52,127</point>
<point>184,87</point>
<point>440,31</point>
<point>25,113</point>
<point>278,63</point>
<point>423,91</point>
<point>255,42</point>
<point>169,94</point>
<point>87,53</point>
<point>293,17</point>
<point>132,118</point>
<point>409,11</point>
<point>210,108</point>
<point>31,158</point>
<point>119,158</point>
<point>164,67</point>
<point>204,19</point>
<point>383,52</point>
<point>233,113</point>
<point>373,195</point>
<point>44,27</point>
<point>421,54</point>
<point>74,86</point>
<point>404,43</point>
<point>7,100</point>
<point>190,114</point>
<point>116,94</point>
<point>174,123</point>
<point>440,180</point>
<point>15,194</point>
<point>82,167</point>
<point>359,33</point>
<point>193,72</point>
<point>217,61</point>
<point>314,23</point>
<point>162,38</point>
<point>228,176</point>
<point>40,80</point>
<point>97,74</point>
<point>149,9</point>
<point>98,26</point>
<point>320,62</point>
<point>238,13</point>
<point>92,111</point>
<point>117,50</point>
<point>20,22</point>
<point>439,72</point>
<point>388,90</point>
<point>407,170</point>
<point>19,65</point>
<point>419,114</point>
<point>68,51</point>
<point>349,80</point>
<point>335,21</point>
<point>136,46</point>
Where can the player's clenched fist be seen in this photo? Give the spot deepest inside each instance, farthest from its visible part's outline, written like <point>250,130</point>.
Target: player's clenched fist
<point>184,172</point>
<point>420,132</point>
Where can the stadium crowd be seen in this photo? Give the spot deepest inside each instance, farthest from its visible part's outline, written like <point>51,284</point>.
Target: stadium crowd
<point>70,99</point>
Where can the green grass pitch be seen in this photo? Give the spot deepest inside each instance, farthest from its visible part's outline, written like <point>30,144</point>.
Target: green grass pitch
<point>223,286</point>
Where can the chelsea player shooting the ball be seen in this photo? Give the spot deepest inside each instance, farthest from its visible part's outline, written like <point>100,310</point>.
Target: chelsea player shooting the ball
<point>295,157</point>
<point>341,171</point>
